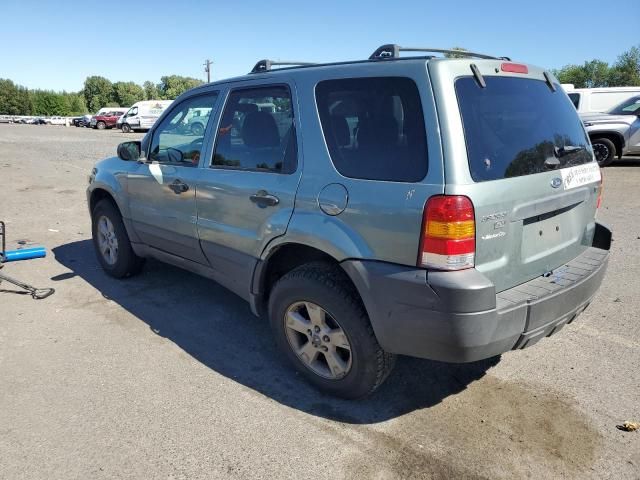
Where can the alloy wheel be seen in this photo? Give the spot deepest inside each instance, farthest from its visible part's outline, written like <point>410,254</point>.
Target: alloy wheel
<point>318,340</point>
<point>107,240</point>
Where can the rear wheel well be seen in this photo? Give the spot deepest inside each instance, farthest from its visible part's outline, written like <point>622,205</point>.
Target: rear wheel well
<point>288,257</point>
<point>615,138</point>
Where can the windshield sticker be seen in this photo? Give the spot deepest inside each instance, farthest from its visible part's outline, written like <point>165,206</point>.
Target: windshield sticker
<point>581,175</point>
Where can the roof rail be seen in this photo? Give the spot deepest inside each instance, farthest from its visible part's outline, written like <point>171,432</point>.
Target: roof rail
<point>265,65</point>
<point>393,51</point>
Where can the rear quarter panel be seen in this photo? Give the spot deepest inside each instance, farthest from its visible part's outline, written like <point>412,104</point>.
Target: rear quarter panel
<point>383,219</point>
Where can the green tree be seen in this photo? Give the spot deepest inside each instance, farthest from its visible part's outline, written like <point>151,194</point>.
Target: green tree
<point>8,96</point>
<point>626,71</point>
<point>150,91</point>
<point>97,92</point>
<point>76,104</point>
<point>590,75</point>
<point>127,93</point>
<point>47,103</point>
<point>173,85</point>
<point>456,55</point>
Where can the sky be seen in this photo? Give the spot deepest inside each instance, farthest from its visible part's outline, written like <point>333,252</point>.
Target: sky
<point>57,44</point>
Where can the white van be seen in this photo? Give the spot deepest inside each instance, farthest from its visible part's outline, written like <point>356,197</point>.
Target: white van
<point>142,115</point>
<point>591,100</point>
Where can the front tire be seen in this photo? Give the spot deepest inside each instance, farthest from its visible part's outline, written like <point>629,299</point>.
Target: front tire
<point>604,150</point>
<point>197,129</point>
<point>126,128</point>
<point>111,242</point>
<point>101,125</point>
<point>322,327</point>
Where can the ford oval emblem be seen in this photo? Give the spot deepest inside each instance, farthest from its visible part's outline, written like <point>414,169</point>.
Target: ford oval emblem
<point>556,182</point>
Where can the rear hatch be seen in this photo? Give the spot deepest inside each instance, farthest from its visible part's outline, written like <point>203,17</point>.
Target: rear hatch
<point>516,147</point>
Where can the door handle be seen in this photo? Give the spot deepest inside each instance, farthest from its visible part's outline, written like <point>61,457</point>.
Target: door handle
<point>178,186</point>
<point>264,199</point>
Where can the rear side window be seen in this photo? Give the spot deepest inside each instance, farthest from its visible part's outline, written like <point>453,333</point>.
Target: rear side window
<point>575,99</point>
<point>257,131</point>
<point>374,128</point>
<point>514,125</point>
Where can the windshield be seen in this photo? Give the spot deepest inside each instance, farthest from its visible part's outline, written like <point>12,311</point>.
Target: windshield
<point>519,126</point>
<point>628,107</point>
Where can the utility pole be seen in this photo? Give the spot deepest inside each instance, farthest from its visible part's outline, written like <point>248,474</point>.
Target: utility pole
<point>207,69</point>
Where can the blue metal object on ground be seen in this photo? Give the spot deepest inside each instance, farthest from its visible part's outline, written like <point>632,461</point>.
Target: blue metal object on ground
<point>24,254</point>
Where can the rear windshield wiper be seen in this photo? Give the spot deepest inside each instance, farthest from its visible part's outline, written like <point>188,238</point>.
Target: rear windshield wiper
<point>567,150</point>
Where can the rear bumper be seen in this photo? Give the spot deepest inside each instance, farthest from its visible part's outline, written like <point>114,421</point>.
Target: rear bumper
<point>458,317</point>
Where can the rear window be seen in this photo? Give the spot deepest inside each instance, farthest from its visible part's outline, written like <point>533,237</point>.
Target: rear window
<point>374,127</point>
<point>514,125</point>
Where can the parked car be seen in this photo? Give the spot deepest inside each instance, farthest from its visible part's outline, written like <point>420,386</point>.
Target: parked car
<point>75,121</point>
<point>142,115</point>
<point>57,120</point>
<point>39,121</point>
<point>84,121</point>
<point>453,233</point>
<point>595,100</point>
<point>107,119</point>
<point>615,133</point>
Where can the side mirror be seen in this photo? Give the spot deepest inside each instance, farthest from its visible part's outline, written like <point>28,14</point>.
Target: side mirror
<point>129,151</point>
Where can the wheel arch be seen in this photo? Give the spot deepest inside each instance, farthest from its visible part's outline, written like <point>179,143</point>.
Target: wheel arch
<point>100,193</point>
<point>615,137</point>
<point>282,259</point>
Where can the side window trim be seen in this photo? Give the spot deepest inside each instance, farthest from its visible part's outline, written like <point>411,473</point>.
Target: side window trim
<point>147,141</point>
<point>223,102</point>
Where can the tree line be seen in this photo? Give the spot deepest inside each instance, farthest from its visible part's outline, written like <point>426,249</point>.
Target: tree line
<point>625,72</point>
<point>98,92</point>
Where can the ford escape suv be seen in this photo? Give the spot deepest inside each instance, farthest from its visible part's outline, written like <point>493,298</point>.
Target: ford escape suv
<point>435,207</point>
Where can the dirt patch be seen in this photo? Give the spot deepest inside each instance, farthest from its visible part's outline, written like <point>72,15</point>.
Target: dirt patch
<point>494,429</point>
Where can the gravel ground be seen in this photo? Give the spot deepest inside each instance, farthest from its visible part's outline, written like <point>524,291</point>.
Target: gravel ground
<point>167,375</point>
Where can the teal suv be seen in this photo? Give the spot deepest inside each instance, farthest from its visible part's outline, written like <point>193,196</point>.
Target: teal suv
<point>442,208</point>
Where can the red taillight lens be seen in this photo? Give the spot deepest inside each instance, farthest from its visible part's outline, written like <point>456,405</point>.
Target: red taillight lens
<point>514,68</point>
<point>448,238</point>
<point>600,189</point>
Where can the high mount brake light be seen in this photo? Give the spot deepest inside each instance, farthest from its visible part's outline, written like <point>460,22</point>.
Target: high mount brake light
<point>448,237</point>
<point>514,68</point>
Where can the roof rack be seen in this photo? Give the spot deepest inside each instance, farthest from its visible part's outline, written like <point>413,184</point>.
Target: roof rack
<point>393,51</point>
<point>266,65</point>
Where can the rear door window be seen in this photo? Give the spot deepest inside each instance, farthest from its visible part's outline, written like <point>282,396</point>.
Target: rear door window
<point>374,127</point>
<point>514,125</point>
<point>257,131</point>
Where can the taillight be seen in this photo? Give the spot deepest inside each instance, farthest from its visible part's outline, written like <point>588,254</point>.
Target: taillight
<point>600,189</point>
<point>514,68</point>
<point>448,237</point>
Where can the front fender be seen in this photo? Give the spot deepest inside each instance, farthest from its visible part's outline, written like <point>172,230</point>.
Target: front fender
<point>111,176</point>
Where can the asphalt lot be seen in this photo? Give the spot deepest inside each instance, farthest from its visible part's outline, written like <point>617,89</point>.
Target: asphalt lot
<point>168,375</point>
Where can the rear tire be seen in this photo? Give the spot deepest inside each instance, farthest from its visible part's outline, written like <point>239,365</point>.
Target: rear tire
<point>363,366</point>
<point>604,150</point>
<point>197,129</point>
<point>111,242</point>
